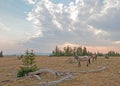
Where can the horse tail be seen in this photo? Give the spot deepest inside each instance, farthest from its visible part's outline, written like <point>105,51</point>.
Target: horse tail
<point>96,57</point>
<point>89,60</point>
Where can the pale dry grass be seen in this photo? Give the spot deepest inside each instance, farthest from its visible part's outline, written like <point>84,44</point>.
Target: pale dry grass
<point>109,77</point>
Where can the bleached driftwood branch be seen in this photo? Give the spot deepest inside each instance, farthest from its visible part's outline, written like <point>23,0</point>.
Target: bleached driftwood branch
<point>42,71</point>
<point>57,73</point>
<point>53,83</point>
<point>97,70</point>
<point>65,75</point>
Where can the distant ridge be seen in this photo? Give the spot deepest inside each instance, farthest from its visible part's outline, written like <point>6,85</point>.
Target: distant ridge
<point>18,54</point>
<point>43,54</point>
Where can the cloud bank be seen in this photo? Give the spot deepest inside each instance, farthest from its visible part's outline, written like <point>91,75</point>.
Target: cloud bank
<point>85,22</point>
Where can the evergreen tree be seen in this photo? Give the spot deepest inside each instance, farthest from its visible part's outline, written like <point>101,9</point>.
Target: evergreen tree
<point>112,53</point>
<point>57,52</point>
<point>68,51</point>
<point>84,51</point>
<point>89,53</point>
<point>100,54</point>
<point>28,59</point>
<point>79,51</point>
<point>74,51</point>
<point>28,63</point>
<point>1,53</point>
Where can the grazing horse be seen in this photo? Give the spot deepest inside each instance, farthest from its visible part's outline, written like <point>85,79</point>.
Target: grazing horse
<point>82,58</point>
<point>94,57</point>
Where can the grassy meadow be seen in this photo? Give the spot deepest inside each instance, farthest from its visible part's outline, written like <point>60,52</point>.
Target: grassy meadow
<point>110,77</point>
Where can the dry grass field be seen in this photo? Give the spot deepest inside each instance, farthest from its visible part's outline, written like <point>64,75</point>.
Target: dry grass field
<point>108,77</point>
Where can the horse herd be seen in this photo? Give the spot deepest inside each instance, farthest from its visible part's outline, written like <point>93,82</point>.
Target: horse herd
<point>79,59</point>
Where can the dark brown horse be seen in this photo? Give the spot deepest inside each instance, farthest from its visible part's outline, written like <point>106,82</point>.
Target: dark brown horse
<point>82,58</point>
<point>94,57</point>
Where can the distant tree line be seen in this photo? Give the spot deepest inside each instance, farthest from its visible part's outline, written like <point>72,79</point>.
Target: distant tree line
<point>1,53</point>
<point>79,51</point>
<point>109,53</point>
<point>113,53</point>
<point>68,51</point>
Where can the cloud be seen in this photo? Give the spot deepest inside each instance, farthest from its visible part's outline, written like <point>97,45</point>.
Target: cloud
<point>7,45</point>
<point>116,42</point>
<point>11,40</point>
<point>3,27</point>
<point>107,17</point>
<point>72,45</point>
<point>88,22</point>
<point>97,32</point>
<point>109,4</point>
<point>11,47</point>
<point>4,30</point>
<point>31,1</point>
<point>49,16</point>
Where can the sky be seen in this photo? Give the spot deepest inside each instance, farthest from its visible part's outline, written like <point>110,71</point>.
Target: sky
<point>42,24</point>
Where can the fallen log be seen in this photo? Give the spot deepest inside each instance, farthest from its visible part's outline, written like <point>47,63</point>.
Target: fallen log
<point>38,77</point>
<point>57,73</point>
<point>53,83</point>
<point>66,76</point>
<point>95,70</point>
<point>42,71</point>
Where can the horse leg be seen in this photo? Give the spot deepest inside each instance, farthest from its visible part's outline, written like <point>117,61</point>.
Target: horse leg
<point>87,63</point>
<point>89,60</point>
<point>79,65</point>
<point>96,58</point>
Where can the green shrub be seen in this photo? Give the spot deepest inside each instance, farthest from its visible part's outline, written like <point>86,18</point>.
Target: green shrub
<point>28,64</point>
<point>106,57</point>
<point>24,71</point>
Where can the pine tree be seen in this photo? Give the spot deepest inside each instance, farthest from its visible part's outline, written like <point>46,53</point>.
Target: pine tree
<point>28,59</point>
<point>84,51</point>
<point>28,63</point>
<point>1,53</point>
<point>68,51</point>
<point>74,51</point>
<point>79,51</point>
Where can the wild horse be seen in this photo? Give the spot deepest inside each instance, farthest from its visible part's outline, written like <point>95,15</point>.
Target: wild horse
<point>94,57</point>
<point>82,58</point>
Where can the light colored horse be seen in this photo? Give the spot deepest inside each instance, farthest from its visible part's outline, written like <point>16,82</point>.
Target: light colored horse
<point>82,58</point>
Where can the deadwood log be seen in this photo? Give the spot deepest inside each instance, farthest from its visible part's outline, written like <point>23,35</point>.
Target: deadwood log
<point>57,73</point>
<point>53,83</point>
<point>66,76</point>
<point>97,70</point>
<point>38,77</point>
<point>42,71</point>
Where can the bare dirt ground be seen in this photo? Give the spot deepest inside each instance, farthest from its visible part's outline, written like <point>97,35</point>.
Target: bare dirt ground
<point>109,77</point>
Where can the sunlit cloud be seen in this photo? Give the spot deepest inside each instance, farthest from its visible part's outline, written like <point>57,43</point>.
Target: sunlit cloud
<point>3,27</point>
<point>96,32</point>
<point>116,42</point>
<point>109,4</point>
<point>72,45</point>
<point>86,22</point>
<point>31,1</point>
